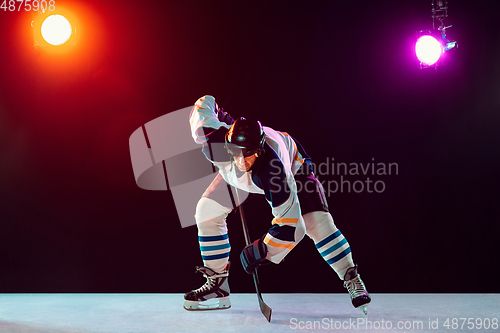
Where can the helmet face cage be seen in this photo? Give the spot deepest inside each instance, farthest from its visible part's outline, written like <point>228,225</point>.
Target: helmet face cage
<point>236,150</point>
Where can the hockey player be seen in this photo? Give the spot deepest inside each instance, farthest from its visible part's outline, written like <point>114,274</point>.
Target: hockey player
<point>266,162</point>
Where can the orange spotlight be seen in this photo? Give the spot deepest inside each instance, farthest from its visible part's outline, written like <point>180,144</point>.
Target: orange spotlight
<point>56,29</point>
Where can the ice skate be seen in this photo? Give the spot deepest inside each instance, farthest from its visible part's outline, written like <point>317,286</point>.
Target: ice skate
<point>213,295</point>
<point>357,290</point>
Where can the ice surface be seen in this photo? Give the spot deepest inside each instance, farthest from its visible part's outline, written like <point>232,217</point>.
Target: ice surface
<point>152,313</point>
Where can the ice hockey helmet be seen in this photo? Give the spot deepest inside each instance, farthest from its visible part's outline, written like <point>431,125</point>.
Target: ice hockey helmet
<point>245,137</point>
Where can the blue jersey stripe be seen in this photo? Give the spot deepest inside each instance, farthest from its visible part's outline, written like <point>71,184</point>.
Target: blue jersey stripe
<point>215,247</point>
<point>339,256</point>
<point>212,238</point>
<point>334,247</point>
<point>216,256</point>
<point>328,239</point>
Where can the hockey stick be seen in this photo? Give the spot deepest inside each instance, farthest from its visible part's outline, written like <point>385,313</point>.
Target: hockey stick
<point>264,308</point>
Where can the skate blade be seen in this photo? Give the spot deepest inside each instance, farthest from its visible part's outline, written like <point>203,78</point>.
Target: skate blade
<point>211,304</point>
<point>364,308</point>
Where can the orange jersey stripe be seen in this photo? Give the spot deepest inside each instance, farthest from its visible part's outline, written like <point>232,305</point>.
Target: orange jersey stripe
<point>296,157</point>
<point>285,220</point>
<point>274,244</point>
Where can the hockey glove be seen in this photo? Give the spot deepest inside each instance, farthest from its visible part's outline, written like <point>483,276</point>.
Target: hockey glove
<point>253,255</point>
<point>224,116</point>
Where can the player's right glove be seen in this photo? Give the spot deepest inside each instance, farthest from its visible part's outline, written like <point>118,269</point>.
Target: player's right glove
<point>253,255</point>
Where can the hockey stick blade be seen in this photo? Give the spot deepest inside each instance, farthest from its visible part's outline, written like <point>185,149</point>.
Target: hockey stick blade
<point>264,308</point>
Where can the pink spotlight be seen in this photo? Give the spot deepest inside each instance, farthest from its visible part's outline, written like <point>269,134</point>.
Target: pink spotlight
<point>428,50</point>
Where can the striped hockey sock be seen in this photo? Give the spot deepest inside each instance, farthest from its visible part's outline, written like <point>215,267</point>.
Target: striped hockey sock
<point>336,251</point>
<point>329,241</point>
<point>215,251</point>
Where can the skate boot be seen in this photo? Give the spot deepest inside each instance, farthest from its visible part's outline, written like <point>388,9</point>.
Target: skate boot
<point>213,295</point>
<point>357,290</point>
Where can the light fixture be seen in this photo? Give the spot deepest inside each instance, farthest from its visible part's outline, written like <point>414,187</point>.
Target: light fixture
<point>428,50</point>
<point>432,45</point>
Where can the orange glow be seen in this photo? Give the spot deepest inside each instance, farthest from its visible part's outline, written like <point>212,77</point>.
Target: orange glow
<point>87,31</point>
<point>79,55</point>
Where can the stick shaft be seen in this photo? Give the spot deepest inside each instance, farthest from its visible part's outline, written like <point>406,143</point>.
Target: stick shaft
<point>246,234</point>
<point>265,309</point>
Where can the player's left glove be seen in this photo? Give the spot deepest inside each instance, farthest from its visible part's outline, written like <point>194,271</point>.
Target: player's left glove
<point>224,116</point>
<point>254,255</point>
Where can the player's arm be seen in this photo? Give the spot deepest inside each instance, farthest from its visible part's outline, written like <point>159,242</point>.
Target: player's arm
<point>209,124</point>
<point>206,117</point>
<point>287,226</point>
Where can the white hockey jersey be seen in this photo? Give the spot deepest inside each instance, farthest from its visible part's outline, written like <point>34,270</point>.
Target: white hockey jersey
<point>271,175</point>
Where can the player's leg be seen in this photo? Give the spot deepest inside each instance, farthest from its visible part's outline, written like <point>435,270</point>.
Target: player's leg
<point>329,241</point>
<point>212,233</point>
<point>211,213</point>
<point>335,250</point>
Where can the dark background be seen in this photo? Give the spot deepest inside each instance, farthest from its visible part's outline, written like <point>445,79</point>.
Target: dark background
<point>340,76</point>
